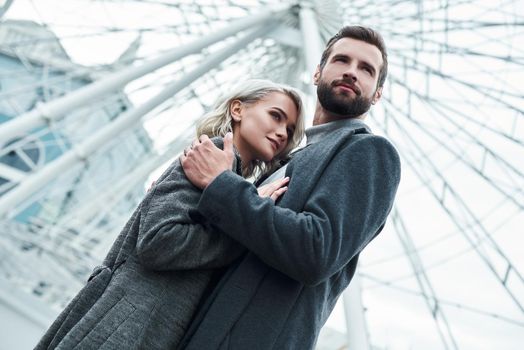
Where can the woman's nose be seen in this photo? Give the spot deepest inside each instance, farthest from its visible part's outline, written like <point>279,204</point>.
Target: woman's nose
<point>282,132</point>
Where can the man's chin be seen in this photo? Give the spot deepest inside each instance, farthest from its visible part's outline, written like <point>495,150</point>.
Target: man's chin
<point>345,92</point>
<point>344,97</point>
<point>339,109</point>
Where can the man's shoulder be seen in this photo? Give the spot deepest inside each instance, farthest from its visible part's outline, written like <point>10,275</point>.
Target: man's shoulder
<point>368,140</point>
<point>341,139</point>
<point>372,150</point>
<point>363,148</point>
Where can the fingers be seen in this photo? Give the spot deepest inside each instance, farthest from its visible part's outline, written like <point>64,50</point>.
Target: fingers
<point>200,144</point>
<point>203,138</point>
<point>263,191</point>
<point>199,141</point>
<point>228,142</point>
<point>275,185</point>
<point>205,143</point>
<point>278,193</point>
<point>195,143</point>
<point>274,189</point>
<point>151,186</point>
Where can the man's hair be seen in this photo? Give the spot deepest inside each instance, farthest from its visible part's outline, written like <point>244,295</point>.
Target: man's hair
<point>365,34</point>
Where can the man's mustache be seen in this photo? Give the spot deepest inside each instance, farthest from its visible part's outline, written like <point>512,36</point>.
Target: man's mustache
<point>348,83</point>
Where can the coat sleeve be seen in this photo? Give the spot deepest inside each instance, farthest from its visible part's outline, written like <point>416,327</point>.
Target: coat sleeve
<point>169,239</point>
<point>345,210</point>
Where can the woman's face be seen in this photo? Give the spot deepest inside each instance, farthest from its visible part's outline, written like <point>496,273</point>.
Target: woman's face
<point>261,130</point>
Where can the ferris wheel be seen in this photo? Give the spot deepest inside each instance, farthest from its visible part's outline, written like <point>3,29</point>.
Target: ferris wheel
<point>96,96</point>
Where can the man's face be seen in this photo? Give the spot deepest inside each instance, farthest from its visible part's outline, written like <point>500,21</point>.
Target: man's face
<point>347,85</point>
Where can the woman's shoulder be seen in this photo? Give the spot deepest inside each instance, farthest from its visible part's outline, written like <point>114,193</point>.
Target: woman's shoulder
<point>218,141</point>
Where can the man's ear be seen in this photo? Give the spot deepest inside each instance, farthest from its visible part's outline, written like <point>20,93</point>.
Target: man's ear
<point>316,76</point>
<point>377,96</point>
<point>235,109</point>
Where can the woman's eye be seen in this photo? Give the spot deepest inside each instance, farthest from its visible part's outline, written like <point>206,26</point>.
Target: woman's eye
<point>277,116</point>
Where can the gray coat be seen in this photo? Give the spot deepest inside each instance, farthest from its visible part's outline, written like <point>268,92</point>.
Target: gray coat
<point>304,250</point>
<point>148,288</point>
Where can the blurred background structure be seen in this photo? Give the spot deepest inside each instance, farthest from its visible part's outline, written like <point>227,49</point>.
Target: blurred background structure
<point>97,97</point>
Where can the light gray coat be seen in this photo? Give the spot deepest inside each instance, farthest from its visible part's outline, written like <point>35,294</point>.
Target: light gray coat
<point>149,285</point>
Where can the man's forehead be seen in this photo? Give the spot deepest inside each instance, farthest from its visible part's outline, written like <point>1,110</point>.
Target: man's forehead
<point>359,49</point>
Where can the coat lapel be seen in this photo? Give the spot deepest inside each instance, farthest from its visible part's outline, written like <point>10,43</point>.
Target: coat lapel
<point>307,166</point>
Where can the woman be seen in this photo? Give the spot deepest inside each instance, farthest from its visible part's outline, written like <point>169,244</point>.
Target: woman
<point>149,286</point>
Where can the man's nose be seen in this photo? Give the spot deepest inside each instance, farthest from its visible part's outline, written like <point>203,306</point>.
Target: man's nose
<point>350,73</point>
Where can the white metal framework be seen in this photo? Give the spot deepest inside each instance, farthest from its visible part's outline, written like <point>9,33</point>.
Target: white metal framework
<point>96,95</point>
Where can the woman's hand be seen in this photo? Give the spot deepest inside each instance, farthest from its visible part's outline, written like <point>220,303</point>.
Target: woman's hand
<point>274,189</point>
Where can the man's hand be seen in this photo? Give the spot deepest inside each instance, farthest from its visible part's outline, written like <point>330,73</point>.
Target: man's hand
<point>151,186</point>
<point>203,162</point>
<point>274,189</point>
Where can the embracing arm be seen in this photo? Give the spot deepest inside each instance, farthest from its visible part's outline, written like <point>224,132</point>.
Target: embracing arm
<point>344,211</point>
<point>169,239</point>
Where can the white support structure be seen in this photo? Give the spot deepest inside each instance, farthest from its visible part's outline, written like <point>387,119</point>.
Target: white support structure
<point>424,283</point>
<point>313,47</point>
<point>24,317</point>
<point>357,332</point>
<point>5,7</point>
<point>83,150</point>
<point>310,36</point>
<point>10,173</point>
<point>108,199</point>
<point>58,108</point>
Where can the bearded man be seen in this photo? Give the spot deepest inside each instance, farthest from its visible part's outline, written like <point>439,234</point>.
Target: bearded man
<point>303,249</point>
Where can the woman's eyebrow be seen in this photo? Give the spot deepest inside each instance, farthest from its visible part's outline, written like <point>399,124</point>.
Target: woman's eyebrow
<point>281,111</point>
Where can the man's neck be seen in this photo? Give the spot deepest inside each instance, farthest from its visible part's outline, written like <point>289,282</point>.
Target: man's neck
<point>322,116</point>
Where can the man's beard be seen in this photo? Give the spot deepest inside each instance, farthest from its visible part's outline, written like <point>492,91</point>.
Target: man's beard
<point>343,105</point>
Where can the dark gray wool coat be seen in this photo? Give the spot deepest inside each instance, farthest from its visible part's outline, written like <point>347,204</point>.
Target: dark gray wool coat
<point>304,250</point>
<point>148,288</point>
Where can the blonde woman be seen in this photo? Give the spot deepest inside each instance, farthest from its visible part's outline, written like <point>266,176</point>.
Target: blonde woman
<point>165,259</point>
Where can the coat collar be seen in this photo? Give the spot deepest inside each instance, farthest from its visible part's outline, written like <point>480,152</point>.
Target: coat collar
<point>310,162</point>
<point>320,132</point>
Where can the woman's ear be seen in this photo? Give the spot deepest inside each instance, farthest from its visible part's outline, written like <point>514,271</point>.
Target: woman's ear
<point>236,110</point>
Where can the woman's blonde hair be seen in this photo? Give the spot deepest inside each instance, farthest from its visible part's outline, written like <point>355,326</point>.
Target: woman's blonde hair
<point>219,121</point>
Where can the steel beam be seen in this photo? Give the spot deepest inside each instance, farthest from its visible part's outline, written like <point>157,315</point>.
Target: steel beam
<point>312,45</point>
<point>83,150</point>
<point>356,329</point>
<point>56,109</point>
<point>108,199</point>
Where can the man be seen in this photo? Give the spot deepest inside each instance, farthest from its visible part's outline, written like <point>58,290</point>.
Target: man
<point>303,249</point>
